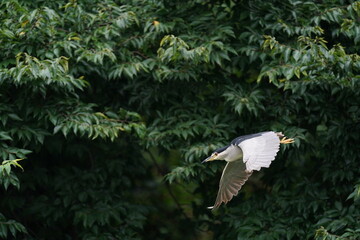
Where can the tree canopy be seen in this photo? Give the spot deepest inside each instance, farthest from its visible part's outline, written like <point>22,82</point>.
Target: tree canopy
<point>108,107</point>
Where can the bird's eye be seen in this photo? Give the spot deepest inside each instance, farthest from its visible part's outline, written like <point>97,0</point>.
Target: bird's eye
<point>215,153</point>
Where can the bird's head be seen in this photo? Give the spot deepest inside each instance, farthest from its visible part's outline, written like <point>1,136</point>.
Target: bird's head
<point>216,155</point>
<point>213,157</point>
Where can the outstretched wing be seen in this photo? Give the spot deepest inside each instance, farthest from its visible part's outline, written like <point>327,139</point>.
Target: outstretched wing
<point>233,177</point>
<point>258,149</point>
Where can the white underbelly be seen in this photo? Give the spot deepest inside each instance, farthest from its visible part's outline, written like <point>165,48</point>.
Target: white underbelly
<point>234,154</point>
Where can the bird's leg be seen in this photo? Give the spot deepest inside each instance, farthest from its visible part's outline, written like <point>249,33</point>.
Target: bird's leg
<point>285,140</point>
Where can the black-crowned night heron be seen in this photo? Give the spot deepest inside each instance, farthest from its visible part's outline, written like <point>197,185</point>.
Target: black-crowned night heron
<point>244,155</point>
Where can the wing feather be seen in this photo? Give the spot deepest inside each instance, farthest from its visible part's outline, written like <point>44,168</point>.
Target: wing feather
<point>232,179</point>
<point>258,149</point>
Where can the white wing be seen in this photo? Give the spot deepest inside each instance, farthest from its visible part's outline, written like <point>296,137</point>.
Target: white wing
<point>258,149</point>
<point>232,179</point>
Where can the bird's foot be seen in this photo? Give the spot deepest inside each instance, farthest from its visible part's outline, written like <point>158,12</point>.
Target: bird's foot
<point>285,140</point>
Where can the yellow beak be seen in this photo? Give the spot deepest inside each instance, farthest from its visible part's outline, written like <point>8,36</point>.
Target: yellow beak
<point>211,158</point>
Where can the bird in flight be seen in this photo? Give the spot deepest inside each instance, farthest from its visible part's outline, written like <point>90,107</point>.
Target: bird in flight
<point>244,155</point>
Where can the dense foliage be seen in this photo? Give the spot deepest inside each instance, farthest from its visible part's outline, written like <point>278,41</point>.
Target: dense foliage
<point>108,107</point>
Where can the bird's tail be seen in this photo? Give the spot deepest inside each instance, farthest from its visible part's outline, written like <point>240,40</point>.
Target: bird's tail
<point>280,134</point>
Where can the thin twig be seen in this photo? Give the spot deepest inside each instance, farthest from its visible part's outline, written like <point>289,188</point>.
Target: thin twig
<point>168,186</point>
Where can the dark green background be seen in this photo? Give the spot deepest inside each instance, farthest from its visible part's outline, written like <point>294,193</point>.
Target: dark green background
<point>115,103</point>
